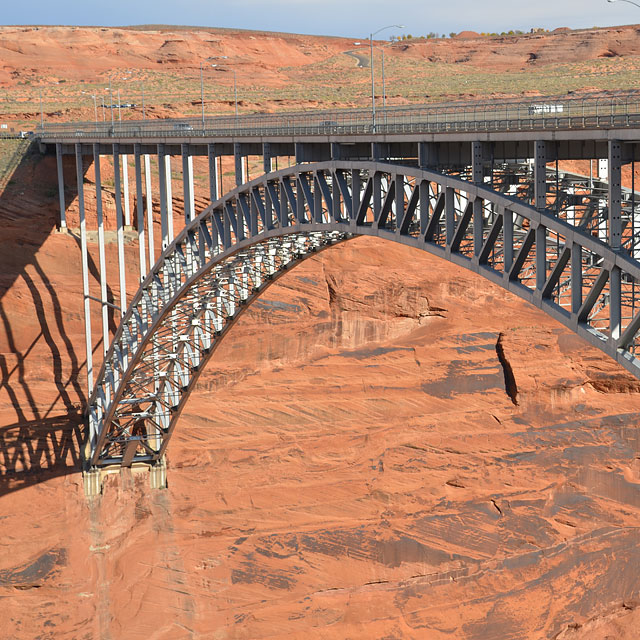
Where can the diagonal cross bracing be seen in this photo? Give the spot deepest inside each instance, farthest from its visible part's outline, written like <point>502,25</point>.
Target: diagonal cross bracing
<point>236,248</point>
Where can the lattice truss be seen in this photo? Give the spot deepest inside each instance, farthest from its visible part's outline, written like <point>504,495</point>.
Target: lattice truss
<point>223,259</point>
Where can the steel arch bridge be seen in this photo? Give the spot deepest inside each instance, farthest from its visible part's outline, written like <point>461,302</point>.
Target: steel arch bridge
<point>223,260</point>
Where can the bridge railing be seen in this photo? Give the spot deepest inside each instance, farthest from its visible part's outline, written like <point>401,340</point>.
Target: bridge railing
<point>550,112</point>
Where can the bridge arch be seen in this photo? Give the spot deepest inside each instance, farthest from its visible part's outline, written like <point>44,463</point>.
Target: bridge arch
<point>225,258</point>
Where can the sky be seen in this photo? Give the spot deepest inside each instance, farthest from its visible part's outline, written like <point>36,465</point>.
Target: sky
<point>350,18</point>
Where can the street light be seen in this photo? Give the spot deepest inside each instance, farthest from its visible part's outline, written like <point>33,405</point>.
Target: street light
<point>41,112</point>
<point>373,85</point>
<point>202,81</point>
<point>95,104</point>
<point>111,100</point>
<point>235,84</point>
<point>202,89</point>
<point>629,1</point>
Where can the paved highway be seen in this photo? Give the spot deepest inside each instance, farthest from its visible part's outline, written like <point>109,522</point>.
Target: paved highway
<point>613,111</point>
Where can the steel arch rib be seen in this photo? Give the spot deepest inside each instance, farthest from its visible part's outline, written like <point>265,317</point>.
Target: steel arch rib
<point>237,247</point>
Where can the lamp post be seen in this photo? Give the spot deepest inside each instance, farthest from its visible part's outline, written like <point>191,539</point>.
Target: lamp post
<point>41,112</point>
<point>628,1</point>
<point>202,89</point>
<point>384,88</point>
<point>95,104</point>
<point>373,84</point>
<point>111,100</point>
<point>202,81</point>
<point>235,84</point>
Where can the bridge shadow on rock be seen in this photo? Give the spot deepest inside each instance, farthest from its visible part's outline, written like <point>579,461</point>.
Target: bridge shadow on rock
<point>38,451</point>
<point>40,395</point>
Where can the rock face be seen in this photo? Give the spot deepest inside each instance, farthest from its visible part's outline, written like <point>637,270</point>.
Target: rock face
<point>385,446</point>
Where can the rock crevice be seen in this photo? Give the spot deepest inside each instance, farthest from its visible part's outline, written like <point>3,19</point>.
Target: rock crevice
<point>510,385</point>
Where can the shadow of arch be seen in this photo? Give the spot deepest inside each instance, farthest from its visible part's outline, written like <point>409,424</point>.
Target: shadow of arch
<point>43,440</point>
<point>38,450</point>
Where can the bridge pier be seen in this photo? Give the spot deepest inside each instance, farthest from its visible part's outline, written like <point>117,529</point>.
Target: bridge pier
<point>149,203</point>
<point>240,167</point>
<point>540,175</point>
<point>125,190</point>
<point>477,177</point>
<point>142,259</point>
<point>60,168</point>
<point>101,251</point>
<point>187,183</point>
<point>85,266</point>
<point>120,229</point>
<point>615,193</point>
<point>158,474</point>
<point>214,174</point>
<point>92,482</point>
<point>93,479</point>
<point>267,161</point>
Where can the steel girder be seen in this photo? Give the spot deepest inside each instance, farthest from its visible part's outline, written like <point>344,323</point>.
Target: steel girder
<point>232,251</point>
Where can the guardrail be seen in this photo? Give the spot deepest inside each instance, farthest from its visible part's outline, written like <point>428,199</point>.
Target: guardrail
<point>15,135</point>
<point>586,112</point>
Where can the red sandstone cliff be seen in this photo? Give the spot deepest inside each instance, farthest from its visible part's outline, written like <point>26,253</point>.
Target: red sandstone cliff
<point>352,465</point>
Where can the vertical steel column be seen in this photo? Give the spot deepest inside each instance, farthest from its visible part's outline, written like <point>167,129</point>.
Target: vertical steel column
<point>266,166</point>
<point>424,206</point>
<point>377,197</point>
<point>187,184</point>
<point>214,182</point>
<point>541,256</point>
<point>120,229</point>
<point>63,213</point>
<point>576,278</point>
<point>140,211</point>
<point>336,151</point>
<point>125,185</point>
<point>476,176</point>
<point>85,268</point>
<point>192,202</point>
<point>356,192</point>
<point>427,155</point>
<point>615,194</point>
<point>237,156</point>
<point>423,155</point>
<point>540,175</point>
<point>378,151</point>
<point>399,200</point>
<point>449,215</point>
<point>615,303</point>
<point>476,162</point>
<point>603,221</point>
<point>147,186</point>
<point>164,215</point>
<point>167,163</point>
<point>101,251</point>
<point>266,157</point>
<point>507,229</point>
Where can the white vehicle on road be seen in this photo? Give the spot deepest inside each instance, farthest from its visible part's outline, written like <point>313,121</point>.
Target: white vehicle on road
<point>539,109</point>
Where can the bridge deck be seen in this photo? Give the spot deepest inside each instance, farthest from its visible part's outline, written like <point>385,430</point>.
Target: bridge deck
<point>594,118</point>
